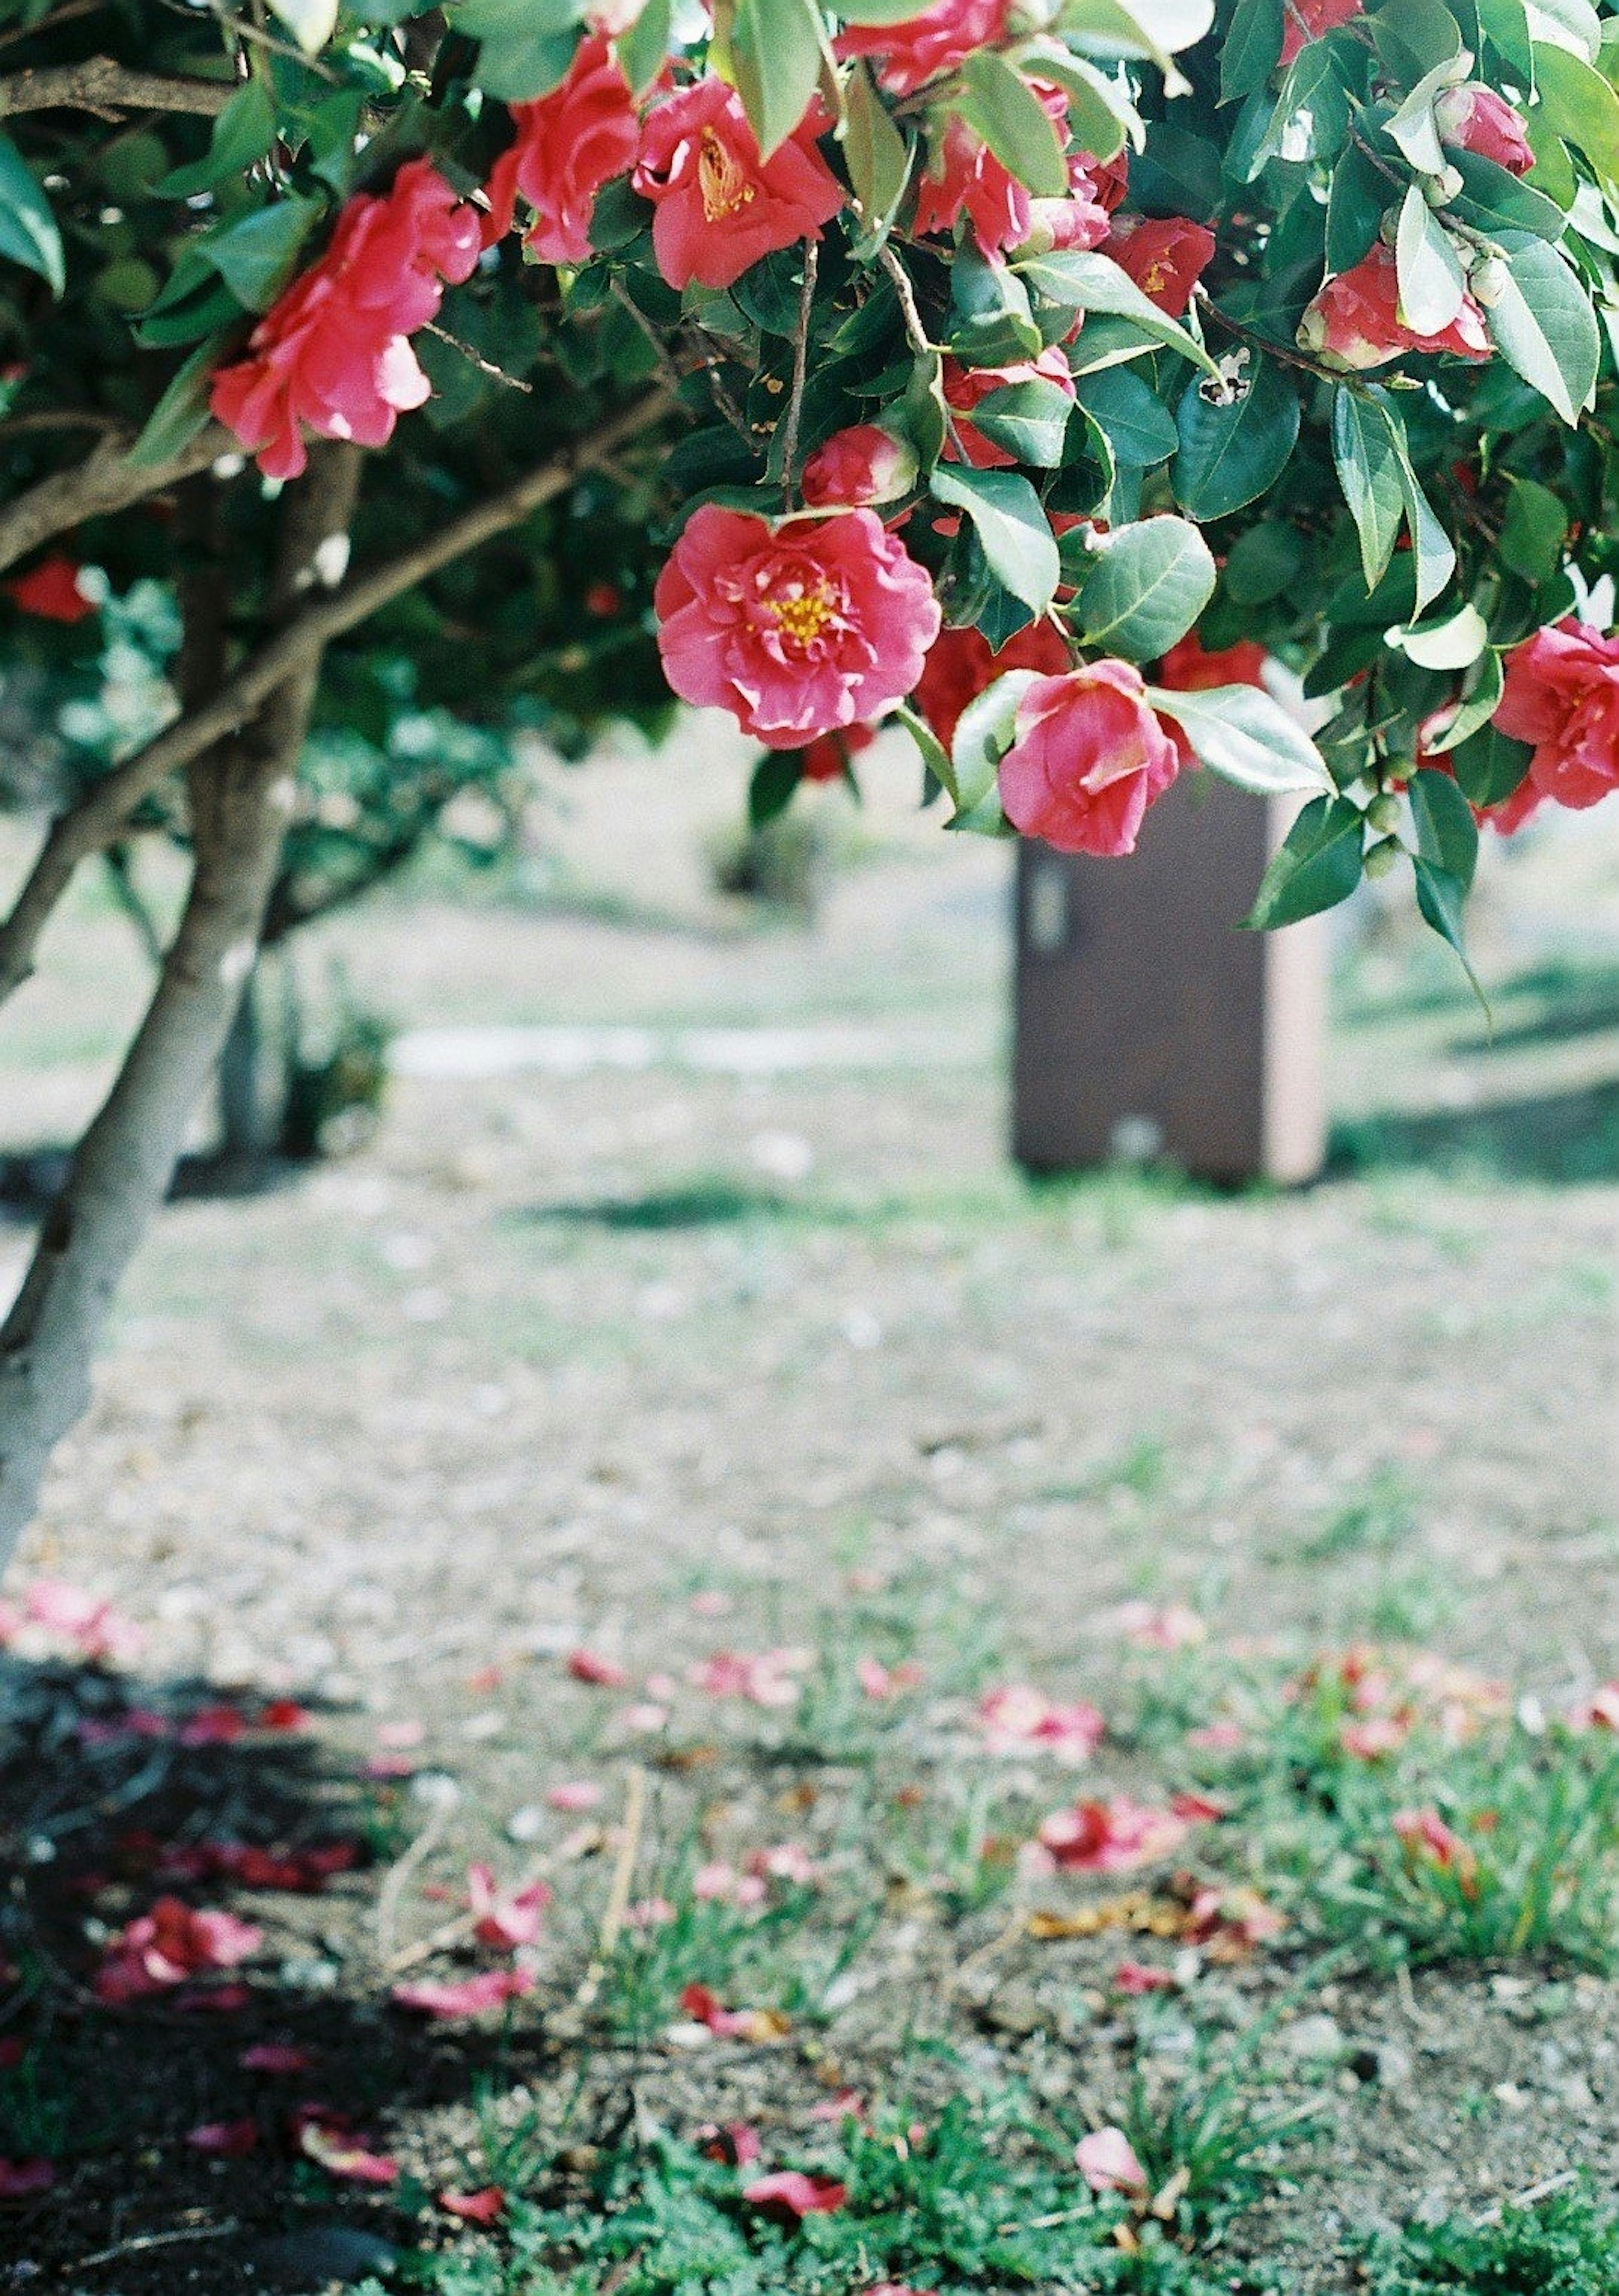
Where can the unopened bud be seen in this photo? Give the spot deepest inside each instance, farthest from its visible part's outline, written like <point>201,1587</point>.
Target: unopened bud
<point>1383,857</point>
<point>1384,812</point>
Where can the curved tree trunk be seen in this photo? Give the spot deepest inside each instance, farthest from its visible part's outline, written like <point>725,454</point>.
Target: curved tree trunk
<point>241,795</point>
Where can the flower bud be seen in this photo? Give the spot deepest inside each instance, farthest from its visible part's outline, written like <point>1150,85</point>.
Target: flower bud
<point>857,467</point>
<point>1475,118</point>
<point>1383,857</point>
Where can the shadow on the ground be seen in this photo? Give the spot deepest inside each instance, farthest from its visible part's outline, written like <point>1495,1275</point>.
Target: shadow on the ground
<point>1559,1138</point>
<point>94,1828</point>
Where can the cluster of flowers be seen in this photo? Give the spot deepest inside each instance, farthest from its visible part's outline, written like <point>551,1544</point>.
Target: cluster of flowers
<point>811,626</point>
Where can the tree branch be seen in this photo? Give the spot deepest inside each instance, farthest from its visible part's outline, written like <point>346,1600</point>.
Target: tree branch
<point>100,84</point>
<point>105,481</point>
<point>92,822</point>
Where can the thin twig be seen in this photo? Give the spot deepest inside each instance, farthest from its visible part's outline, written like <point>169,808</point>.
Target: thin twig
<point>618,1896</point>
<point>484,365</point>
<point>142,2241</point>
<point>399,1873</point>
<point>906,293</point>
<point>1527,2199</point>
<point>795,405</point>
<point>102,85</point>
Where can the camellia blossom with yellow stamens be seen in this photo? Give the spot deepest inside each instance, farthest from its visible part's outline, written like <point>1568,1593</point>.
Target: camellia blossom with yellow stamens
<point>720,206</point>
<point>797,626</point>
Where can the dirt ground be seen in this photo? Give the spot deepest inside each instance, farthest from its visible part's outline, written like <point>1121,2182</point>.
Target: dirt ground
<point>557,1350</point>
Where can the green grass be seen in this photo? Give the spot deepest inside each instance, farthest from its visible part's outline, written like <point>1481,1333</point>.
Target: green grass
<point>1564,2244</point>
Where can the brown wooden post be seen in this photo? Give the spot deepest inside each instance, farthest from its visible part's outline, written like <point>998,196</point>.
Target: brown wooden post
<point>1147,1024</point>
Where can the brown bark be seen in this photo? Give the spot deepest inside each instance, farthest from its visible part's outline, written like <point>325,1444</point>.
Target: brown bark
<point>240,793</point>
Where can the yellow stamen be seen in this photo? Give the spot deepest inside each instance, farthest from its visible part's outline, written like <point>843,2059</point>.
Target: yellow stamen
<point>802,620</point>
<point>721,180</point>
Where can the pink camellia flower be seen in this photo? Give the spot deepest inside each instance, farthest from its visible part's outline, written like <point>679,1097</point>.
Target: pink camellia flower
<point>856,467</point>
<point>574,1795</point>
<point>505,1921</point>
<point>1304,20</point>
<point>1426,1840</point>
<point>51,591</point>
<point>720,206</point>
<point>466,1996</point>
<point>1191,666</point>
<point>329,2139</point>
<point>1562,697</point>
<point>966,387</point>
<point>1355,322</point>
<point>486,2206</point>
<point>1475,119</point>
<point>91,1624</point>
<point>223,2140</point>
<point>924,46</point>
<point>1165,256</point>
<point>601,1673</point>
<point>331,354</point>
<point>23,2180</point>
<point>1110,1837</point>
<point>1174,1627</point>
<point>1089,758</point>
<point>275,2057</point>
<point>1017,1719</point>
<point>961,664</point>
<point>1136,1977</point>
<point>797,627</point>
<point>791,2195</point>
<point>568,144</point>
<point>167,1946</point>
<point>1107,2161</point>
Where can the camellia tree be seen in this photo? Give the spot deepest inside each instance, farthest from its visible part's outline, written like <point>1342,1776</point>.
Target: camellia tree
<point>1066,378</point>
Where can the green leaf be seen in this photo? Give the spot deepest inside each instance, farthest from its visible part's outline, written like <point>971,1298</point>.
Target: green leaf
<point>1247,739</point>
<point>642,49</point>
<point>1230,455</point>
<point>936,758</point>
<point>1456,643</point>
<point>244,131</point>
<point>1252,48</point>
<point>182,412</point>
<point>524,47</point>
<point>1540,320</point>
<point>1433,284</point>
<point>258,256</point>
<point>1447,834</point>
<point>1030,420</point>
<point>1088,282</point>
<point>1146,588</point>
<point>1367,457</point>
<point>1489,765</point>
<point>984,734</point>
<point>28,228</point>
<point>1000,107</point>
<point>877,156</point>
<point>1441,898</point>
<point>1138,426</point>
<point>1506,23</point>
<point>1475,711</point>
<point>1316,864</point>
<point>775,778</point>
<point>1011,526</point>
<point>1533,531</point>
<point>311,22</point>
<point>776,49</point>
<point>1262,563</point>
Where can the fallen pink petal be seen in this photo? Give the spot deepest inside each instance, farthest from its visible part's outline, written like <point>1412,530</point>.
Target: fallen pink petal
<point>226,2140</point>
<point>1107,2162</point>
<point>486,2206</point>
<point>601,1673</point>
<point>575,1795</point>
<point>791,2194</point>
<point>467,1997</point>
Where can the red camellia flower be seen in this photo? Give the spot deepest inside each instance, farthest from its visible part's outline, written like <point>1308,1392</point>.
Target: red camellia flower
<point>1304,20</point>
<point>797,627</point>
<point>1166,258</point>
<point>966,387</point>
<point>1355,322</point>
<point>925,45</point>
<point>568,144</point>
<point>858,466</point>
<point>962,664</point>
<point>720,206</point>
<point>1475,119</point>
<point>331,354</point>
<point>1090,757</point>
<point>1562,697</point>
<point>51,591</point>
<point>964,176</point>
<point>827,759</point>
<point>168,1945</point>
<point>1189,668</point>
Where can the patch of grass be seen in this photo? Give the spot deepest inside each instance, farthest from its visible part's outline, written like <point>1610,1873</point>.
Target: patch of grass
<point>983,2196</point>
<point>954,1841</point>
<point>1566,2244</point>
<point>1377,1518</point>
